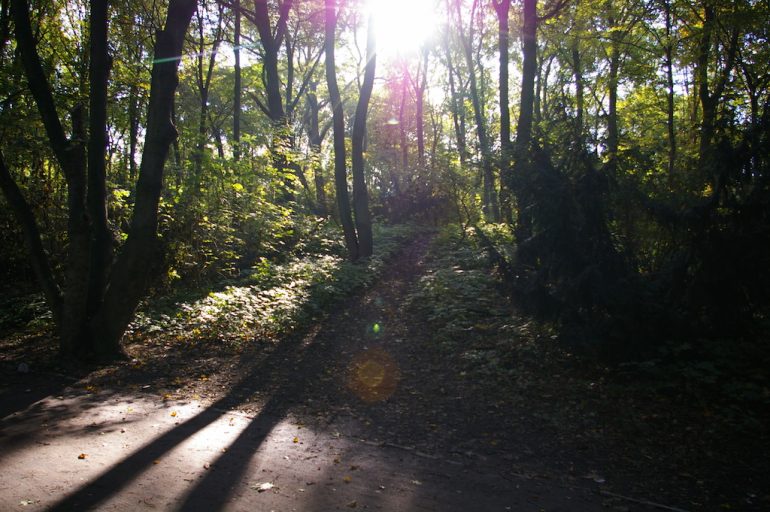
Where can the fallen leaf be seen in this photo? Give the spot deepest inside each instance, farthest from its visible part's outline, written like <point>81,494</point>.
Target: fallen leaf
<point>173,413</point>
<point>262,487</point>
<point>353,504</point>
<point>596,478</point>
<point>82,456</point>
<point>295,440</point>
<point>347,479</point>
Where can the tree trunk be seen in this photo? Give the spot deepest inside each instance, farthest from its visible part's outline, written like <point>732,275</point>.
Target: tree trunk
<point>457,117</point>
<point>402,130</point>
<point>101,237</point>
<point>529,68</point>
<point>39,261</point>
<point>134,266</point>
<point>612,112</point>
<point>491,207</point>
<point>502,9</point>
<point>315,138</point>
<point>237,92</point>
<point>338,132</point>
<point>360,194</point>
<point>89,326</point>
<point>133,131</point>
<point>204,73</point>
<point>522,153</point>
<point>70,154</point>
<point>669,63</point>
<point>577,69</point>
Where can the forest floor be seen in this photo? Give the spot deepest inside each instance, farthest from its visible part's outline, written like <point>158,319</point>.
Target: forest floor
<point>375,407</point>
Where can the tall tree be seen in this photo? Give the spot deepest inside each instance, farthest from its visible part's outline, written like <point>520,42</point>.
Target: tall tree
<point>237,82</point>
<point>502,10</point>
<point>97,301</point>
<point>360,194</point>
<point>338,133</point>
<point>491,206</point>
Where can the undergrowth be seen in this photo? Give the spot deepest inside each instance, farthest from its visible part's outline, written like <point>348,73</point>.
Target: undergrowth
<point>269,299</point>
<point>468,315</point>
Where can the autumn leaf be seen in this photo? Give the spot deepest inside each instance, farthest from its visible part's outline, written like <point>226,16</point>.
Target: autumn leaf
<point>262,487</point>
<point>82,456</point>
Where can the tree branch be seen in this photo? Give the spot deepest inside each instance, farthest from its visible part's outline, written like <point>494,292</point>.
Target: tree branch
<point>38,258</point>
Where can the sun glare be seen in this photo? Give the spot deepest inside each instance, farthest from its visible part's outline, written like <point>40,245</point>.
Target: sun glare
<point>402,26</point>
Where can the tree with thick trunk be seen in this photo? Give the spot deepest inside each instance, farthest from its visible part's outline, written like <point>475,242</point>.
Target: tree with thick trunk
<point>98,297</point>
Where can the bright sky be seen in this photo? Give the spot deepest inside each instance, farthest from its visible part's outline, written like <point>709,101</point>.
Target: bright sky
<point>402,26</point>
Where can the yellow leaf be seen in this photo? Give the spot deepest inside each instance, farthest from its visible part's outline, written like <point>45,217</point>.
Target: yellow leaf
<point>295,440</point>
<point>173,413</point>
<point>347,479</point>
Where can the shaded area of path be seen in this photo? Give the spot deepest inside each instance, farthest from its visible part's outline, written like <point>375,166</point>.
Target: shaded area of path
<point>337,411</point>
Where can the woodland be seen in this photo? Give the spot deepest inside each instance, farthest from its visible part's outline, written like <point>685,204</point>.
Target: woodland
<point>591,176</point>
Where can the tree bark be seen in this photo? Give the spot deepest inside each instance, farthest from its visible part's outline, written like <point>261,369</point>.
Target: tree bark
<point>134,265</point>
<point>522,148</point>
<point>502,9</point>
<point>204,73</point>
<point>237,88</point>
<point>529,69</point>
<point>101,236</point>
<point>669,64</point>
<point>38,258</point>
<point>612,111</point>
<point>338,132</point>
<point>315,138</point>
<point>70,154</point>
<point>491,207</point>
<point>458,120</point>
<point>360,194</point>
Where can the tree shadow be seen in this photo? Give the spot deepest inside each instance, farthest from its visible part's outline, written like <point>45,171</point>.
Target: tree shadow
<point>299,361</point>
<point>23,390</point>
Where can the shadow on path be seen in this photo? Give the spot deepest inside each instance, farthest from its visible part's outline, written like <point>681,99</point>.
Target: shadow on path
<point>291,370</point>
<point>123,473</point>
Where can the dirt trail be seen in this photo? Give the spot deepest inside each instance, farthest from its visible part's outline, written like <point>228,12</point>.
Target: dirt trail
<point>358,414</point>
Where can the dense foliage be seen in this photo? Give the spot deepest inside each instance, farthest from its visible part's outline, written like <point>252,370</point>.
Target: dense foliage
<point>617,151</point>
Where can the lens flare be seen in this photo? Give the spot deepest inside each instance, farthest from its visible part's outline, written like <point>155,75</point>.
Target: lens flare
<point>373,375</point>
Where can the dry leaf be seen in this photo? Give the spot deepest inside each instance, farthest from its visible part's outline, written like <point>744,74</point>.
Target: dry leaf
<point>82,456</point>
<point>296,440</point>
<point>347,479</point>
<point>262,487</point>
<point>173,413</point>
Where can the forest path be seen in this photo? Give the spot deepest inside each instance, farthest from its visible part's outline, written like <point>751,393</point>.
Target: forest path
<point>360,413</point>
